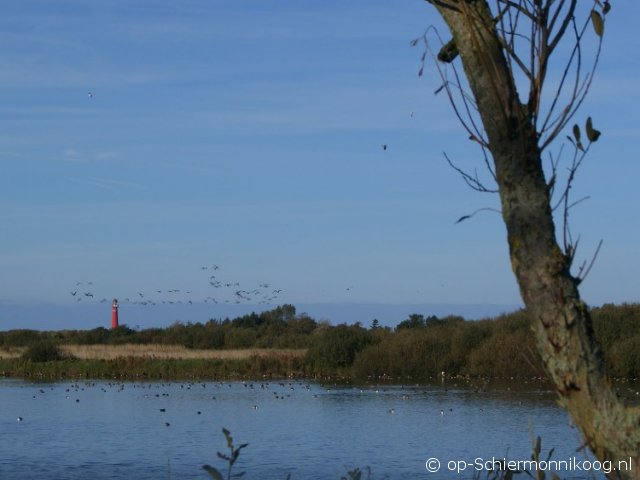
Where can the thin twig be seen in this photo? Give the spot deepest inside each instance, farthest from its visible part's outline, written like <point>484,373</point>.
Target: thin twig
<point>472,181</point>
<point>581,276</point>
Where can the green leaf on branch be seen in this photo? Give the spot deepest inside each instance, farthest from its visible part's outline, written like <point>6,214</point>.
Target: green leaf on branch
<point>227,435</point>
<point>598,23</point>
<point>213,473</point>
<point>606,6</point>
<point>592,134</point>
<point>576,132</point>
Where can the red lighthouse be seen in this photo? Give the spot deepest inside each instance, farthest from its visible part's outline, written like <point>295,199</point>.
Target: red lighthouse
<point>114,313</point>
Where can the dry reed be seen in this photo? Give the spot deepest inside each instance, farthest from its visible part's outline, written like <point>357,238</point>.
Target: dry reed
<point>171,352</point>
<point>11,352</point>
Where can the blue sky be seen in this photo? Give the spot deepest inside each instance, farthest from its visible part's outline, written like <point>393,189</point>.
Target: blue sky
<point>248,135</point>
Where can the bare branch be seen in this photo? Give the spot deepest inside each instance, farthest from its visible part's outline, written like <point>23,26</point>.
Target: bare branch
<point>468,105</point>
<point>483,209</point>
<point>472,181</point>
<point>487,163</point>
<point>520,9</point>
<point>582,273</point>
<point>568,19</point>
<point>580,89</point>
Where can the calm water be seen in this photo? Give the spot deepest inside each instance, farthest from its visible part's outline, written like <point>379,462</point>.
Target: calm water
<point>118,431</point>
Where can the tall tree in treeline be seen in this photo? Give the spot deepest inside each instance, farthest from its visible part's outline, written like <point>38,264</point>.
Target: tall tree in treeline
<point>527,66</point>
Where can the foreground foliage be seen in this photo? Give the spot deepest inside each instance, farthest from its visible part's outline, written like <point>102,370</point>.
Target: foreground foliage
<point>501,473</point>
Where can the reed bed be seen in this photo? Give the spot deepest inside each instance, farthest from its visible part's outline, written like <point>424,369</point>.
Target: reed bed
<point>172,352</point>
<point>11,352</point>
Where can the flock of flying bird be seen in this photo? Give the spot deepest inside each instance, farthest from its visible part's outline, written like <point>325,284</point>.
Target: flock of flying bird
<point>263,293</point>
<point>224,291</point>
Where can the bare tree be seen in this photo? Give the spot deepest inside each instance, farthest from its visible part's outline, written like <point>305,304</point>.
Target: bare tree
<point>525,74</point>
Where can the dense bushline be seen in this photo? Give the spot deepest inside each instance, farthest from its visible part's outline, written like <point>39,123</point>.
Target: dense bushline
<point>419,348</point>
<point>277,328</point>
<point>44,351</point>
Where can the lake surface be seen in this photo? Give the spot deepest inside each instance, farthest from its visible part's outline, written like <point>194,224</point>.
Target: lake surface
<point>101,430</point>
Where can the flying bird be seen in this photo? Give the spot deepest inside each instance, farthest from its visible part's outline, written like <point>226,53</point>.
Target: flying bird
<point>384,146</point>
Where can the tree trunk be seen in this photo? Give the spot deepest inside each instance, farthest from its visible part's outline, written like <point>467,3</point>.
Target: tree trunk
<point>560,320</point>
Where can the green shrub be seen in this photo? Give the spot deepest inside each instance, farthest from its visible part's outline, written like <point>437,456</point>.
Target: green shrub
<point>44,351</point>
<point>623,358</point>
<point>505,354</point>
<point>337,347</point>
<point>240,338</point>
<point>20,338</point>
<point>408,353</point>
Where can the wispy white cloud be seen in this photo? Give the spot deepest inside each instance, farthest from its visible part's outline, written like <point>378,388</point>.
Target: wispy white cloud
<point>76,155</point>
<point>259,21</point>
<point>106,183</point>
<point>33,73</point>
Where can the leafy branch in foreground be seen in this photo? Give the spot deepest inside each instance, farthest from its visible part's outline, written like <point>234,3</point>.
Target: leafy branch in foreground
<point>234,454</point>
<point>502,470</point>
<point>356,474</point>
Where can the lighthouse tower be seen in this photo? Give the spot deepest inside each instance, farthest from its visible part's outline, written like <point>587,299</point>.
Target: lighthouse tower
<point>114,313</point>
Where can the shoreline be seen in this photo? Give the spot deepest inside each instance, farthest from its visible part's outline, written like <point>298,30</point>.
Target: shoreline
<point>140,362</point>
<point>264,369</point>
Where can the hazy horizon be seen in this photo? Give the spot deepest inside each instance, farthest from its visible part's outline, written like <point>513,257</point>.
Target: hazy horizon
<point>85,317</point>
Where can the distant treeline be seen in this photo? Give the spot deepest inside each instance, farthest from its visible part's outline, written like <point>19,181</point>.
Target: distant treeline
<point>418,349</point>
